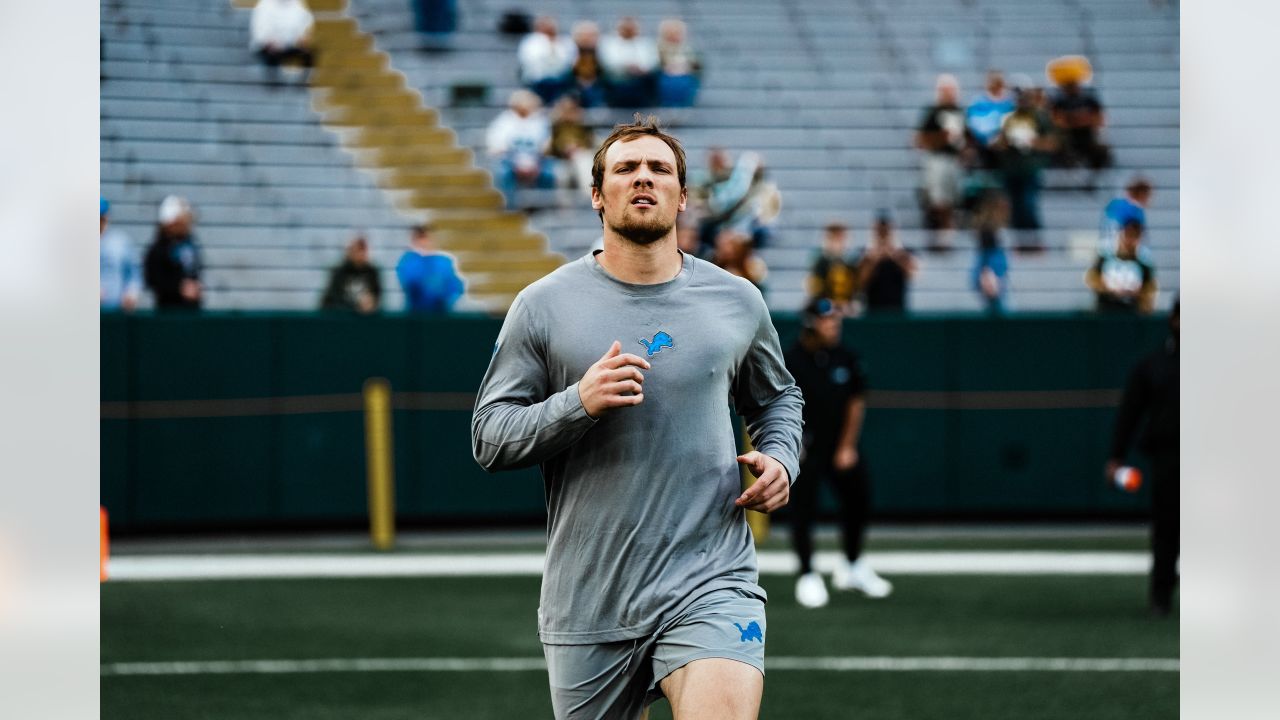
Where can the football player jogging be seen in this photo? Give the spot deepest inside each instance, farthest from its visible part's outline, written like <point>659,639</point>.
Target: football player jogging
<point>614,374</point>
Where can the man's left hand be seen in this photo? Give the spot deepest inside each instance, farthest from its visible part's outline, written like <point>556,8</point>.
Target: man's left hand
<point>772,488</point>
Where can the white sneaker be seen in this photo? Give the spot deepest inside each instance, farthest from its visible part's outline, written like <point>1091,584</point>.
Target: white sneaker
<point>859,576</point>
<point>811,591</point>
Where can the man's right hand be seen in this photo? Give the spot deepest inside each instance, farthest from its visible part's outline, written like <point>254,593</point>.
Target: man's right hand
<point>613,381</point>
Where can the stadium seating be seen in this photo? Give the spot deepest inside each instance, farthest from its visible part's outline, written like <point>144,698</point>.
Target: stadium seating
<point>828,92</point>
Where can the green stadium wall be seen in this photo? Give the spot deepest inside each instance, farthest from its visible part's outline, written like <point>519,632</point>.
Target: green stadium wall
<point>970,418</point>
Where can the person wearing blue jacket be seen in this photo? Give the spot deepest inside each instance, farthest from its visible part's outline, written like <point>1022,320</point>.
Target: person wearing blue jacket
<point>428,277</point>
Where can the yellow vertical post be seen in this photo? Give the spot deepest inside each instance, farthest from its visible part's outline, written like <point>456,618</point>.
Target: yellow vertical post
<point>380,470</point>
<point>757,521</point>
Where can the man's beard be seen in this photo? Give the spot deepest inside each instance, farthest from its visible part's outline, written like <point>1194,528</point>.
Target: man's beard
<point>643,231</point>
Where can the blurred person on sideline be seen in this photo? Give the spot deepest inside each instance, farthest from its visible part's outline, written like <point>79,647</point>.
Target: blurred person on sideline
<point>735,254</point>
<point>885,269</point>
<point>1132,204</point>
<point>546,59</point>
<point>1022,149</point>
<point>280,30</point>
<point>638,455</point>
<point>427,276</point>
<point>834,274</point>
<point>120,271</point>
<point>1122,281</point>
<point>173,264</point>
<point>835,402</point>
<point>586,75</point>
<point>572,143</point>
<point>985,115</point>
<point>1151,395</point>
<point>990,274</point>
<point>943,141</point>
<point>680,68</point>
<point>355,284</point>
<point>630,64</point>
<point>517,141</point>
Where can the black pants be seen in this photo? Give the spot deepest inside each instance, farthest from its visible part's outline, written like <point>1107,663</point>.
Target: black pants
<point>273,58</point>
<point>853,491</point>
<point>1165,477</point>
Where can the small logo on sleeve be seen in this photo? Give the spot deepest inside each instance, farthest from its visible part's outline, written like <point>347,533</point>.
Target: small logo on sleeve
<point>750,632</point>
<point>661,340</point>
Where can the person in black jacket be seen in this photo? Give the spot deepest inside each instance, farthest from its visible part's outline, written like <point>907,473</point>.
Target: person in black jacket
<point>172,267</point>
<point>354,284</point>
<point>1152,393</point>
<point>834,387</point>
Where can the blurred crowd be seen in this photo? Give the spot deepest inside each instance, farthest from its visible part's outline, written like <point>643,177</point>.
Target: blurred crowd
<point>172,269</point>
<point>531,147</point>
<point>982,163</point>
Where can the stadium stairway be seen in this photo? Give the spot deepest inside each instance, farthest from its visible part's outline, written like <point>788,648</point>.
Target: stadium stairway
<point>830,93</point>
<point>389,131</point>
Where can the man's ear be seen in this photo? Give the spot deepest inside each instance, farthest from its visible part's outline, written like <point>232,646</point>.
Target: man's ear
<point>684,198</point>
<point>597,200</point>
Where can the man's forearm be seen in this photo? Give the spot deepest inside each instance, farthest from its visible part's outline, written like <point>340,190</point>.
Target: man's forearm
<point>508,435</point>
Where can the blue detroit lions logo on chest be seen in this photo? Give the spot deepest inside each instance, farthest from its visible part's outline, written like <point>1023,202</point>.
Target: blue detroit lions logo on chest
<point>661,340</point>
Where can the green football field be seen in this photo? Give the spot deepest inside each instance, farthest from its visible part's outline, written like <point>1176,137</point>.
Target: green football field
<point>442,622</point>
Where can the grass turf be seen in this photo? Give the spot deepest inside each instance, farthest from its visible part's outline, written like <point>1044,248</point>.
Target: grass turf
<point>1071,616</point>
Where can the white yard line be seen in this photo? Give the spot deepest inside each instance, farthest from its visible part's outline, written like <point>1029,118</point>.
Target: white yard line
<point>527,664</point>
<point>311,565</point>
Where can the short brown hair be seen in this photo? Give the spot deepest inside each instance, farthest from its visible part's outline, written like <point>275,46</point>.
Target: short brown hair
<point>624,132</point>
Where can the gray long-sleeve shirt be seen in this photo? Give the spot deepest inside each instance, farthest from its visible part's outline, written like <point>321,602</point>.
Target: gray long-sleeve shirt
<point>640,507</point>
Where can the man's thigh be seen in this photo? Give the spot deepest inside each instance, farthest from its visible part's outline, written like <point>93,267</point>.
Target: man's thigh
<point>710,661</point>
<point>607,680</point>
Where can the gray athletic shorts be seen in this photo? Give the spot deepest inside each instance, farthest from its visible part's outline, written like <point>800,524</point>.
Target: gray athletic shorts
<point>620,679</point>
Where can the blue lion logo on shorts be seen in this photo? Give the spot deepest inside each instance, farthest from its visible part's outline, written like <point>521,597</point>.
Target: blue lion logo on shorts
<point>750,632</point>
<point>661,340</point>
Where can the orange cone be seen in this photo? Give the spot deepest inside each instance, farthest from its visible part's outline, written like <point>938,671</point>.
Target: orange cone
<point>103,549</point>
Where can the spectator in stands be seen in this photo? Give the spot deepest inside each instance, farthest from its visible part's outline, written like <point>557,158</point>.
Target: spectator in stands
<point>546,60</point>
<point>120,273</point>
<point>427,276</point>
<point>587,78</point>
<point>572,143</point>
<point>517,141</point>
<point>680,67</point>
<point>1079,117</point>
<point>986,113</point>
<point>885,269</point>
<point>1123,281</point>
<point>1132,205</point>
<point>354,284</point>
<point>990,274</point>
<point>280,30</point>
<point>173,265</point>
<point>740,198</point>
<point>735,254</point>
<point>1022,149</point>
<point>834,275</point>
<point>630,64</point>
<point>943,141</point>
